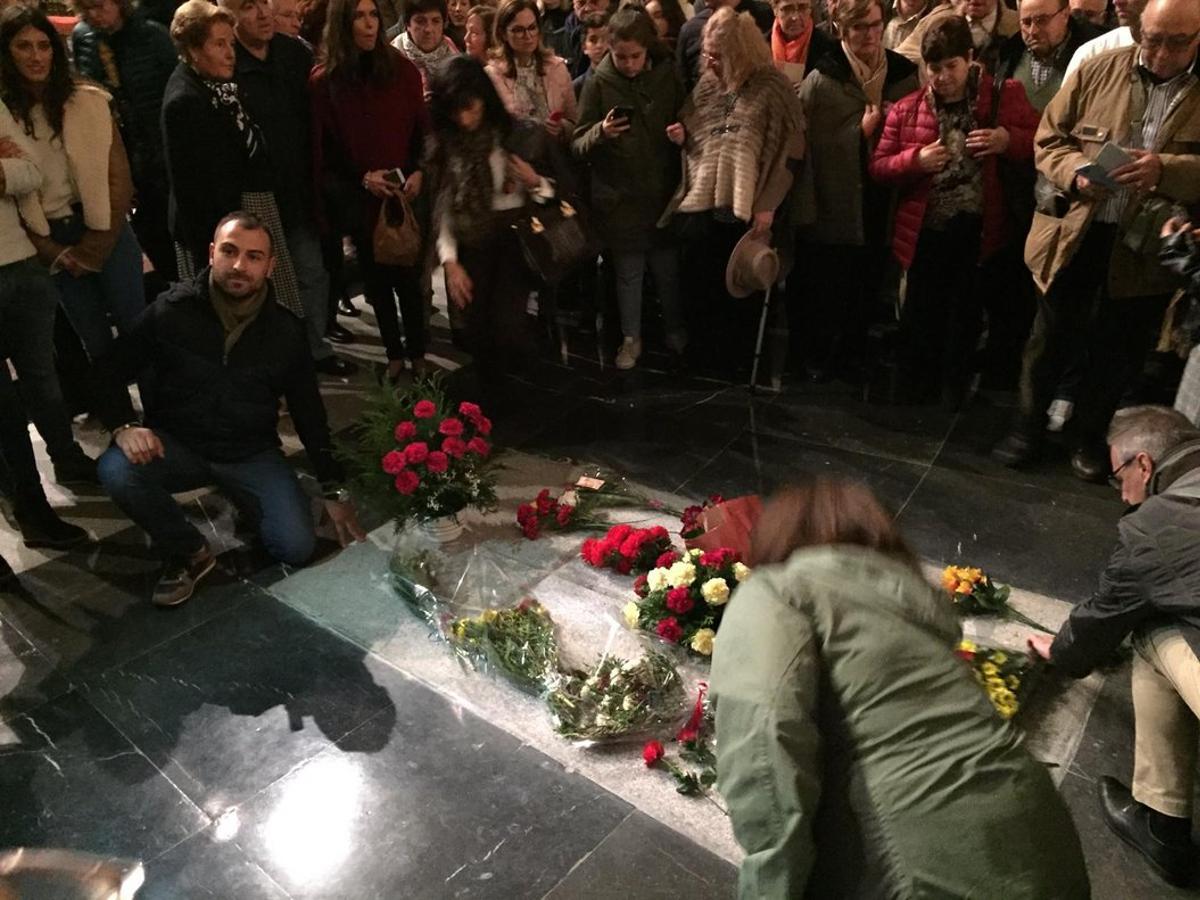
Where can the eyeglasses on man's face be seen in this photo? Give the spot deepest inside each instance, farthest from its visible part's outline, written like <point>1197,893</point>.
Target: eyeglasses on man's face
<point>1031,22</point>
<point>1115,478</point>
<point>1173,43</point>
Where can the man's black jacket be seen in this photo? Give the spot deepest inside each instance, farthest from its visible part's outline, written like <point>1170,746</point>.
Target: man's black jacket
<point>1152,577</point>
<point>274,93</point>
<point>687,45</point>
<point>224,409</point>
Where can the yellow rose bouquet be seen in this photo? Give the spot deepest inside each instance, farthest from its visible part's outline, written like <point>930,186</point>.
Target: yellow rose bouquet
<point>975,594</point>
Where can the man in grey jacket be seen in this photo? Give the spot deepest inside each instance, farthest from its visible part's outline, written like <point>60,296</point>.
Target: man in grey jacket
<point>1150,590</point>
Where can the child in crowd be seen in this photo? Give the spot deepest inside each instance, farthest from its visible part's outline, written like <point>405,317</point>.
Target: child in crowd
<point>595,46</point>
<point>940,146</point>
<point>622,134</point>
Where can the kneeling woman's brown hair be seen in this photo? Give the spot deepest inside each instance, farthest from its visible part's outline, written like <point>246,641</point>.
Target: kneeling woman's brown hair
<point>825,511</point>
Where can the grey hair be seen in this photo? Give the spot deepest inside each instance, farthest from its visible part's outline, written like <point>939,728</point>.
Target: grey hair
<point>1152,430</point>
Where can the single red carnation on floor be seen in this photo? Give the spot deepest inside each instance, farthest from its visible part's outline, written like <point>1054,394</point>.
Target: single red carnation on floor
<point>652,752</point>
<point>564,514</point>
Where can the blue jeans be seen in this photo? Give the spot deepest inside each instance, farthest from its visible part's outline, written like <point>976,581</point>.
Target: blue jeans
<point>630,268</point>
<point>304,245</point>
<point>265,480</point>
<point>28,303</point>
<point>95,302</point>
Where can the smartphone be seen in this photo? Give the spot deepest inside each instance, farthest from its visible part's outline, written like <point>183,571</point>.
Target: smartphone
<point>624,112</point>
<point>395,176</point>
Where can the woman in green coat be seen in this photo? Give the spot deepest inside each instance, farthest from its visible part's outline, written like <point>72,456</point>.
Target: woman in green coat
<point>857,754</point>
<point>626,106</point>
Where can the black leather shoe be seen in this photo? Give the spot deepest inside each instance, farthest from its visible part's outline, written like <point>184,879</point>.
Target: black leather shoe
<point>335,365</point>
<point>1090,465</point>
<point>339,335</point>
<point>7,576</point>
<point>1172,856</point>
<point>346,307</point>
<point>1016,449</point>
<point>42,528</point>
<point>78,469</point>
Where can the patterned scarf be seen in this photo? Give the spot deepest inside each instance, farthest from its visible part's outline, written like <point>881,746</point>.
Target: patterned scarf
<point>469,172</point>
<point>225,97</point>
<point>871,80</point>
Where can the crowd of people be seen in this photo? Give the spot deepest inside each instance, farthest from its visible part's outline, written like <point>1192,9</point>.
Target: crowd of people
<point>948,192</point>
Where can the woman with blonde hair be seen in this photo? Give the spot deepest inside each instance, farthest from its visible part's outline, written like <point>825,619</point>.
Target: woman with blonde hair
<point>480,36</point>
<point>742,133</point>
<point>532,82</point>
<point>856,753</point>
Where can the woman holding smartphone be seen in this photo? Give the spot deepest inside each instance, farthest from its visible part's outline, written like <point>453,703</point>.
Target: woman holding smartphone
<point>625,109</point>
<point>369,127</point>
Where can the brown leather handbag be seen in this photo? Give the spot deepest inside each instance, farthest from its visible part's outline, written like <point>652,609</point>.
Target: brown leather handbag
<point>397,238</point>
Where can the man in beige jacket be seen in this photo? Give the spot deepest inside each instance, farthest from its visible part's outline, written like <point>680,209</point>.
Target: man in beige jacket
<point>1089,244</point>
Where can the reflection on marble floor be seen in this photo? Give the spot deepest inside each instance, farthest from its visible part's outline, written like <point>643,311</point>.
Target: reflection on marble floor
<point>297,734</point>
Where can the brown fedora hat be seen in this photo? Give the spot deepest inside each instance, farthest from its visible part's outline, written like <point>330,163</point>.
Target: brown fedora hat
<point>753,265</point>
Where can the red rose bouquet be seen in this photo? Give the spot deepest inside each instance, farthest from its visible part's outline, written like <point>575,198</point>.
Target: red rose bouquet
<point>415,456</point>
<point>683,598</point>
<point>627,549</point>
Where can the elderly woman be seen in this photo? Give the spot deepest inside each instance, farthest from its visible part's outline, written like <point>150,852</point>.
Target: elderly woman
<point>217,160</point>
<point>796,43</point>
<point>370,123</point>
<point>742,132</point>
<point>77,220</point>
<point>843,253</point>
<point>532,82</point>
<point>857,754</point>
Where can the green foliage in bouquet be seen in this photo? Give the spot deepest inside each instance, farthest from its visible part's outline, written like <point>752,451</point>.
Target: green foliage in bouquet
<point>411,456</point>
<point>518,641</point>
<point>618,699</point>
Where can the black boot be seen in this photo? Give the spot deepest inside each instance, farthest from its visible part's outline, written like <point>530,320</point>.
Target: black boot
<point>42,528</point>
<point>7,576</point>
<point>76,469</point>
<point>1165,841</point>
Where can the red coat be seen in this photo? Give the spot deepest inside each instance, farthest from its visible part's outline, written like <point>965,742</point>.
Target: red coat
<point>911,124</point>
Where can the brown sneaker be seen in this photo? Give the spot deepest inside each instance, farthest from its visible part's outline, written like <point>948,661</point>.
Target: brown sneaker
<point>179,579</point>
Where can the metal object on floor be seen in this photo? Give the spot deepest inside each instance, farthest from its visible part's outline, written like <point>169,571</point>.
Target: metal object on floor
<point>34,874</point>
<point>758,343</point>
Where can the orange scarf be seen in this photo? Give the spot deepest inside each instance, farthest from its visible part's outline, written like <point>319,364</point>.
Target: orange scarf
<point>792,51</point>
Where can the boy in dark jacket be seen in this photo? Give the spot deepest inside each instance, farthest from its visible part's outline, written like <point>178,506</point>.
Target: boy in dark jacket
<point>217,354</point>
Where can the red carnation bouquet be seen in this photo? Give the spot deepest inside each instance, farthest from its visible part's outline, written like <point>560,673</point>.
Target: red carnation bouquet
<point>578,506</point>
<point>416,456</point>
<point>683,597</point>
<point>545,513</point>
<point>627,549</point>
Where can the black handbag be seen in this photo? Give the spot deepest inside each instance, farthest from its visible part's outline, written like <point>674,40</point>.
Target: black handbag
<point>555,238</point>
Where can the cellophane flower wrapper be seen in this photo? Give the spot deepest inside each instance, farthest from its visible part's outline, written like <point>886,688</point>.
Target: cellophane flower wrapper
<point>582,505</point>
<point>420,573</point>
<point>721,523</point>
<point>619,700</point>
<point>493,627</point>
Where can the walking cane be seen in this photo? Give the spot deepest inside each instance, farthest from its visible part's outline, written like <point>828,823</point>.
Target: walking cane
<point>758,344</point>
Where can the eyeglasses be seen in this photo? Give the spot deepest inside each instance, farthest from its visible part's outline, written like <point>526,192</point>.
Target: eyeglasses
<point>1115,478</point>
<point>1176,43</point>
<point>793,9</point>
<point>1041,21</point>
<point>523,30</point>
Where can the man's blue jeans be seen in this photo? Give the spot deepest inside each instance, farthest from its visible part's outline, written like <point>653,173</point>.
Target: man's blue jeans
<point>143,492</point>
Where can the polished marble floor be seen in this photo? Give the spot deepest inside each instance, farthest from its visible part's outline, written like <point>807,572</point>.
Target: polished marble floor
<point>265,740</point>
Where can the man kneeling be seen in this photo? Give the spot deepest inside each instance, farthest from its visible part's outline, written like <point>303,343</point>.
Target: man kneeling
<point>214,355</point>
<point>1150,591</point>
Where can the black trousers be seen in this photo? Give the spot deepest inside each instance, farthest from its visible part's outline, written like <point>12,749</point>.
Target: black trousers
<point>726,324</point>
<point>832,300</point>
<point>149,222</point>
<point>495,327</point>
<point>383,287</point>
<point>942,314</point>
<point>1010,299</point>
<point>19,478</point>
<point>1076,319</point>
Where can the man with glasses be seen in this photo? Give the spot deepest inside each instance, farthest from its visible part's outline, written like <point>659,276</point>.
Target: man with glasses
<point>1128,32</point>
<point>1094,252</point>
<point>1150,590</point>
<point>796,42</point>
<point>1038,56</point>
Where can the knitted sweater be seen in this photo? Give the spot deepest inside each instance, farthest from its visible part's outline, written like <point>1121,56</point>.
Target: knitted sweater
<point>738,145</point>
